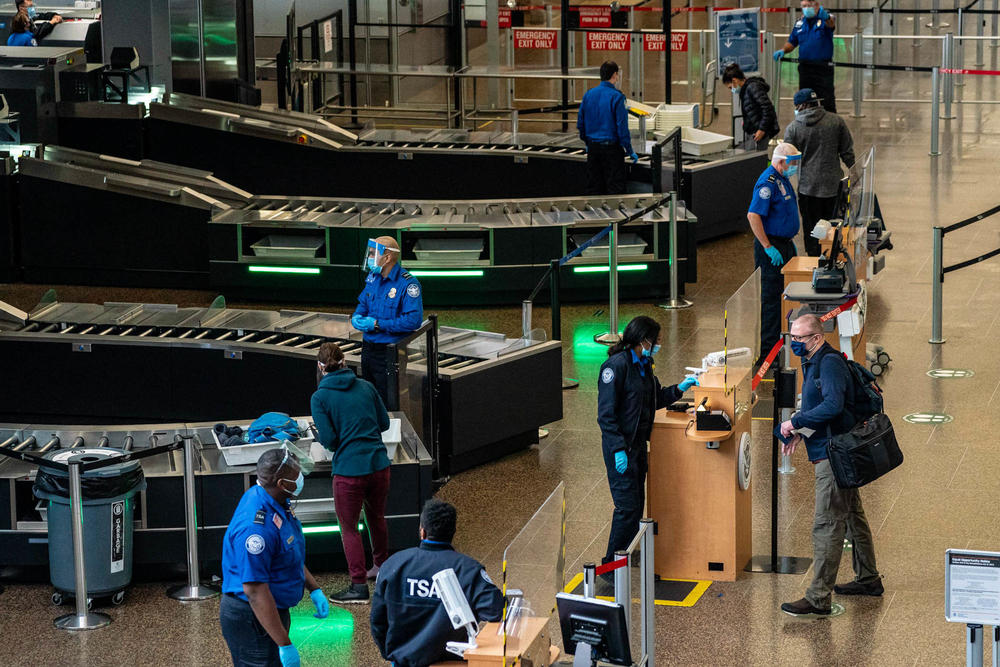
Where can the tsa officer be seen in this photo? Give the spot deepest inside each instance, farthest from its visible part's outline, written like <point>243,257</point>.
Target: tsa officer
<point>603,125</point>
<point>390,308</point>
<point>813,35</point>
<point>628,395</point>
<point>774,221</point>
<point>263,567</point>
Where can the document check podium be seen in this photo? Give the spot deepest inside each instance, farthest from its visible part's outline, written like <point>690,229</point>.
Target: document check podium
<point>698,486</point>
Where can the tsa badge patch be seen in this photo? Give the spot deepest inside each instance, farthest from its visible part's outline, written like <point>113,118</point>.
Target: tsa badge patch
<point>764,193</point>
<point>413,290</point>
<point>255,544</point>
<point>392,292</point>
<point>607,375</point>
<point>485,577</point>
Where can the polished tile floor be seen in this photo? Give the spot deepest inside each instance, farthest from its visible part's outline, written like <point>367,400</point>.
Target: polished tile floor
<point>945,494</point>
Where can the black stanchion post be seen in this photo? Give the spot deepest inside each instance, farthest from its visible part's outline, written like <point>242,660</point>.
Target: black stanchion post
<point>554,286</point>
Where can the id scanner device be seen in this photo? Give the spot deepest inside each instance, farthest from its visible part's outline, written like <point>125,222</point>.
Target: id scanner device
<point>457,607</point>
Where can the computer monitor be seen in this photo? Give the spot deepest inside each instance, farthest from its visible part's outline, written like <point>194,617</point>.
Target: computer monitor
<point>597,623</point>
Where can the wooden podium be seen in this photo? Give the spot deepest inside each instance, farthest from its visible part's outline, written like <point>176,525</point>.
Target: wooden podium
<point>533,649</point>
<point>698,486</point>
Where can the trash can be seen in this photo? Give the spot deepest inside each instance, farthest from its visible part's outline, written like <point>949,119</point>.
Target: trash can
<point>108,506</point>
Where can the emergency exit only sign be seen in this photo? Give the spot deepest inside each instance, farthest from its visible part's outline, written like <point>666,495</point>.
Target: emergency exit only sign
<point>608,41</point>
<point>535,38</point>
<point>655,41</point>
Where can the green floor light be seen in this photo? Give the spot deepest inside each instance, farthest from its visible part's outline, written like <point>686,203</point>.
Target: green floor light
<point>307,270</point>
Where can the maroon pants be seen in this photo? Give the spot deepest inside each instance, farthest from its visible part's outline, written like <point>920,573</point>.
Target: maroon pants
<point>349,494</point>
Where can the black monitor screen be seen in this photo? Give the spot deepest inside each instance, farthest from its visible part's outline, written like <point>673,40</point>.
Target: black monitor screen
<point>599,623</point>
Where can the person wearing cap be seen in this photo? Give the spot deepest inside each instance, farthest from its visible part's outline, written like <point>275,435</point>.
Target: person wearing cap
<point>603,125</point>
<point>824,141</point>
<point>263,567</point>
<point>389,309</point>
<point>774,221</point>
<point>813,36</point>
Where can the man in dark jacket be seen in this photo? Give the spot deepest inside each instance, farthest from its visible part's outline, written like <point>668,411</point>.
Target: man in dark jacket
<point>825,142</point>
<point>760,122</point>
<point>408,621</point>
<point>350,418</point>
<point>827,410</point>
<point>46,21</point>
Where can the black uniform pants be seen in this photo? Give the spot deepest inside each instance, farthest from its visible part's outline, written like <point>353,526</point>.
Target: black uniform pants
<point>248,641</point>
<point>818,75</point>
<point>814,209</point>
<point>375,369</point>
<point>772,286</point>
<point>605,169</point>
<point>628,492</point>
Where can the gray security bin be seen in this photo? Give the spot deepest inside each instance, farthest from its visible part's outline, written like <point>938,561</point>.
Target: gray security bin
<point>108,506</point>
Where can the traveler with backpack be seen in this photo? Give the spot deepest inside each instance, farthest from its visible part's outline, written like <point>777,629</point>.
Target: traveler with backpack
<point>350,418</point>
<point>829,408</point>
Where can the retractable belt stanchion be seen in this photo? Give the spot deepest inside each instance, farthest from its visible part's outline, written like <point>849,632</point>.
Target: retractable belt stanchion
<point>974,645</point>
<point>82,619</point>
<point>612,336</point>
<point>937,267</point>
<point>589,580</point>
<point>857,46</point>
<point>935,111</point>
<point>675,301</point>
<point>623,588</point>
<point>647,594</point>
<point>948,57</point>
<point>996,646</point>
<point>193,590</point>
<point>526,318</point>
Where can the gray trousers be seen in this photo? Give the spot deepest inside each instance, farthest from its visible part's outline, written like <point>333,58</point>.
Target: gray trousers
<point>838,511</point>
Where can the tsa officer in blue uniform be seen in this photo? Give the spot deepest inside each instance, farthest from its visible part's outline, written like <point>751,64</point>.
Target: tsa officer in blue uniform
<point>774,221</point>
<point>813,35</point>
<point>390,308</point>
<point>408,620</point>
<point>628,396</point>
<point>263,567</point>
<point>603,125</point>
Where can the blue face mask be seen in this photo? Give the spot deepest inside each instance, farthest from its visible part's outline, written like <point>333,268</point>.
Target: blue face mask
<point>300,482</point>
<point>372,266</point>
<point>809,12</point>
<point>799,348</point>
<point>32,13</point>
<point>736,90</point>
<point>651,352</point>
<point>792,170</point>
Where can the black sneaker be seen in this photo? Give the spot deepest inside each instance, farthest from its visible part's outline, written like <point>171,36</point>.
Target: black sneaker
<point>353,594</point>
<point>803,608</point>
<point>874,588</point>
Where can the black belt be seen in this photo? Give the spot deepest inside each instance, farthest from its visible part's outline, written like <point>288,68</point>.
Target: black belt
<point>603,143</point>
<point>784,239</point>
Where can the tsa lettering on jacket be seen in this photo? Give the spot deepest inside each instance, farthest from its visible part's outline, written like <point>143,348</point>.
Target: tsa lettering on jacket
<point>422,588</point>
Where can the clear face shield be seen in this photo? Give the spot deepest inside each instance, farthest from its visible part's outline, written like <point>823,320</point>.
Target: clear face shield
<point>375,256</point>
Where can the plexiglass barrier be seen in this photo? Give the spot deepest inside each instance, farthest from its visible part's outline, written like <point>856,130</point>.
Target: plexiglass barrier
<point>742,332</point>
<point>533,565</point>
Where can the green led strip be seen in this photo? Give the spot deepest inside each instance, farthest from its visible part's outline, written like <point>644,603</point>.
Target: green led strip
<point>605,269</point>
<point>446,274</point>
<point>308,530</point>
<point>313,271</point>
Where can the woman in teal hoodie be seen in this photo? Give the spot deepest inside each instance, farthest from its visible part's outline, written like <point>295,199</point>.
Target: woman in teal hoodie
<point>350,418</point>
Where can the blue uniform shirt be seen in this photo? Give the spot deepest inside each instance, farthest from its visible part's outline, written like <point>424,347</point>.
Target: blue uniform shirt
<point>22,39</point>
<point>814,39</point>
<point>602,116</point>
<point>774,201</point>
<point>264,543</point>
<point>395,302</point>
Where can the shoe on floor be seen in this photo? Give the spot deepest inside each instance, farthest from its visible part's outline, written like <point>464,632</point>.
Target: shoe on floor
<point>803,608</point>
<point>353,594</point>
<point>372,573</point>
<point>875,588</point>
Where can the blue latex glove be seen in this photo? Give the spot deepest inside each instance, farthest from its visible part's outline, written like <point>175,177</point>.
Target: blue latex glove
<point>823,14</point>
<point>779,54</point>
<point>688,382</point>
<point>621,461</point>
<point>775,256</point>
<point>357,321</point>
<point>289,656</point>
<point>322,606</point>
<point>369,323</point>
<point>635,158</point>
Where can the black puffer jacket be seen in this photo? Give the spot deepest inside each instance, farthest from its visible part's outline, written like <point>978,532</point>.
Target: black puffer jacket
<point>758,112</point>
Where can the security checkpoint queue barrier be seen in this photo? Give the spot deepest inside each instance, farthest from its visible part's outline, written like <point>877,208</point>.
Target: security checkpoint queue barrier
<point>939,270</point>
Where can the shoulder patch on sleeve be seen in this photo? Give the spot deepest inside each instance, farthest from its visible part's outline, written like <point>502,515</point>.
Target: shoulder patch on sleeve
<point>764,192</point>
<point>255,544</point>
<point>413,290</point>
<point>260,516</point>
<point>607,375</point>
<point>486,577</point>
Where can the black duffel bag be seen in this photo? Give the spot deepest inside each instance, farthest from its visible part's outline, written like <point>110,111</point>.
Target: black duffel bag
<point>865,453</point>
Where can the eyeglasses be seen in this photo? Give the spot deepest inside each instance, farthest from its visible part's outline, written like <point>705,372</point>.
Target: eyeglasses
<point>804,337</point>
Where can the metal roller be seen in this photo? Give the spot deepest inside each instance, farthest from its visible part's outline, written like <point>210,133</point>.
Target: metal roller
<point>202,334</point>
<point>104,441</point>
<point>8,442</point>
<point>68,329</point>
<point>77,442</point>
<point>289,341</point>
<point>127,443</point>
<point>51,444</point>
<point>166,333</point>
<point>27,442</point>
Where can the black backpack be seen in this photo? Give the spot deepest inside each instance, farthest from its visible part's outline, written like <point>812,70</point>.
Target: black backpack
<point>868,399</point>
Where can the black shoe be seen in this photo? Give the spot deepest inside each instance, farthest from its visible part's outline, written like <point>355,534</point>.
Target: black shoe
<point>874,589</point>
<point>353,594</point>
<point>803,608</point>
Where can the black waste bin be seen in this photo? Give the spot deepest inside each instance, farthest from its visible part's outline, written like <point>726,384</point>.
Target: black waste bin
<point>108,506</point>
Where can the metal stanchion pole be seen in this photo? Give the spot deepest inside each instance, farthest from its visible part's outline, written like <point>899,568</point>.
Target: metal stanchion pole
<point>916,23</point>
<point>948,51</point>
<point>623,588</point>
<point>893,30</point>
<point>82,619</point>
<point>675,302</point>
<point>193,590</point>
<point>513,129</point>
<point>589,580</point>
<point>974,645</point>
<point>612,336</point>
<point>959,50</point>
<point>858,58</point>
<point>996,21</point>
<point>996,646</point>
<point>647,594</point>
<point>980,26</point>
<point>935,110</point>
<point>525,318</point>
<point>934,23</point>
<point>937,267</point>
<point>877,29</point>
